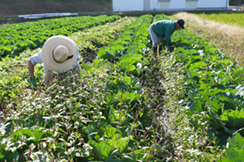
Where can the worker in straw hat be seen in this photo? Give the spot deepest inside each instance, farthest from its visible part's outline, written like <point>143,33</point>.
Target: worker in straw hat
<point>162,31</point>
<point>59,54</point>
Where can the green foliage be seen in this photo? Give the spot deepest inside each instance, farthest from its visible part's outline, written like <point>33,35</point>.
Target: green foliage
<point>15,75</point>
<point>235,149</point>
<point>129,47</point>
<point>188,129</point>
<point>213,84</point>
<point>110,114</point>
<point>236,2</point>
<point>16,38</point>
<point>104,116</point>
<point>92,39</point>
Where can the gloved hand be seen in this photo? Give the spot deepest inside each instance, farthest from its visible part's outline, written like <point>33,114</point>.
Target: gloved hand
<point>33,81</point>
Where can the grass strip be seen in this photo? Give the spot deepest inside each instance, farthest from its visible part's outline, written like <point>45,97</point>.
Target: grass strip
<point>233,19</point>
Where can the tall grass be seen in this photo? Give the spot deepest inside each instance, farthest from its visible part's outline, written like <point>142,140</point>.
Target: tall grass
<point>236,19</point>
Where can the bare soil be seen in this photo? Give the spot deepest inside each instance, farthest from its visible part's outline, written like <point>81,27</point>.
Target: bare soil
<point>89,56</point>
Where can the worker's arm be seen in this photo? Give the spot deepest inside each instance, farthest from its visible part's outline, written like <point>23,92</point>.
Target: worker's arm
<point>168,33</point>
<point>31,69</point>
<point>31,72</point>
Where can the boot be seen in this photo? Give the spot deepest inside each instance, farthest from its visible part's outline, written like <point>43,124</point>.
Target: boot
<point>154,49</point>
<point>160,48</point>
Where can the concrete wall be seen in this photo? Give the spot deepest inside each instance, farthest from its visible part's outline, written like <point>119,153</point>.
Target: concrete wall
<point>155,5</point>
<point>140,5</point>
<point>191,4</point>
<point>164,5</point>
<point>211,3</point>
<point>177,4</point>
<point>147,5</point>
<point>128,5</point>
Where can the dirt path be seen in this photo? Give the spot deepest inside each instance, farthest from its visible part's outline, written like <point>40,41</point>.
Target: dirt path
<point>88,55</point>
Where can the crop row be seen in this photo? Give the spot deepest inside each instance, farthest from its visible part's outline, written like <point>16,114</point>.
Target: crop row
<point>16,38</point>
<point>105,116</point>
<point>90,40</point>
<point>213,84</point>
<point>108,115</point>
<point>14,72</point>
<point>214,91</point>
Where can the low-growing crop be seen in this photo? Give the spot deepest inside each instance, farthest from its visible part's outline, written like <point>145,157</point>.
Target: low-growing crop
<point>104,116</point>
<point>181,106</point>
<point>214,84</point>
<point>14,71</point>
<point>15,38</point>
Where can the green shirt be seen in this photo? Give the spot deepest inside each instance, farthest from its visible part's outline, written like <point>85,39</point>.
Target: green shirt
<point>164,28</point>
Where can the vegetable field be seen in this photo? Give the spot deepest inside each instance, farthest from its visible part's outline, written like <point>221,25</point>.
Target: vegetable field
<point>122,108</point>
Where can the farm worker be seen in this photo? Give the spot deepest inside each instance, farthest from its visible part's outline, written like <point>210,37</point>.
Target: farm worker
<point>59,54</point>
<point>163,30</point>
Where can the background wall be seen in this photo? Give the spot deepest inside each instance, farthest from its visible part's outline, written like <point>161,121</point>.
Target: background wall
<point>177,4</point>
<point>128,5</point>
<point>139,5</point>
<point>211,3</point>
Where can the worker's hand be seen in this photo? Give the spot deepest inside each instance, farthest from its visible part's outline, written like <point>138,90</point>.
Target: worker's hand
<point>32,81</point>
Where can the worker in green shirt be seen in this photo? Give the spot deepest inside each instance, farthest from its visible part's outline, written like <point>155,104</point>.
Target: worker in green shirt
<point>162,30</point>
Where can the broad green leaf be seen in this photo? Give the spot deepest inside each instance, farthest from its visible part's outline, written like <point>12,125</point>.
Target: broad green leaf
<point>119,142</point>
<point>111,159</point>
<point>235,150</point>
<point>101,150</point>
<point>127,80</point>
<point>237,142</point>
<point>214,105</point>
<point>110,131</point>
<point>196,107</point>
<point>233,118</point>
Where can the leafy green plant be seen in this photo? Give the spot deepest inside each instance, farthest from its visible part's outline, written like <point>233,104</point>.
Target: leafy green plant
<point>116,111</point>
<point>15,38</point>
<point>14,72</point>
<point>211,81</point>
<point>106,115</point>
<point>235,149</point>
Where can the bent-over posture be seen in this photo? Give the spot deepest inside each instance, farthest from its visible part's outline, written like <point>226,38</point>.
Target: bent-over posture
<point>59,54</point>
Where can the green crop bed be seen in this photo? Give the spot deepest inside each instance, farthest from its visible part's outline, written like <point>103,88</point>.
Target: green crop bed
<point>16,38</point>
<point>122,108</point>
<point>14,73</point>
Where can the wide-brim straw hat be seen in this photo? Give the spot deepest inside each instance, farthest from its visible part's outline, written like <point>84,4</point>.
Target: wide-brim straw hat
<point>59,53</point>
